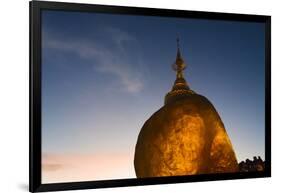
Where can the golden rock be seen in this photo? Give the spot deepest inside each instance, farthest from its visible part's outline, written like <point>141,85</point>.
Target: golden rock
<point>185,137</point>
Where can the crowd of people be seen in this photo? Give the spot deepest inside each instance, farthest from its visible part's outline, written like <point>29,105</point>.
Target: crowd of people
<point>257,164</point>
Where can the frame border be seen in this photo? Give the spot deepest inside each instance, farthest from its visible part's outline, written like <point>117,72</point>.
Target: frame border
<point>35,9</point>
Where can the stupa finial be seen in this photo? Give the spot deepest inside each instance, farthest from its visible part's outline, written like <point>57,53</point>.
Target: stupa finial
<point>178,43</point>
<point>180,88</point>
<point>179,65</point>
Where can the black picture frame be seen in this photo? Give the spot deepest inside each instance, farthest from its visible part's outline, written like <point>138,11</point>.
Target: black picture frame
<point>36,8</point>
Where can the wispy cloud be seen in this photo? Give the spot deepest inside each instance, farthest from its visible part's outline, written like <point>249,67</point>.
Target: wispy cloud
<point>113,57</point>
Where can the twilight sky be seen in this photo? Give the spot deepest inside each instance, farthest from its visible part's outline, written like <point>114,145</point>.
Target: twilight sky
<point>104,75</point>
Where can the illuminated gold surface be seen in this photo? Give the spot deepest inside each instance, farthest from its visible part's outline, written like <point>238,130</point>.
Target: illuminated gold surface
<point>184,138</point>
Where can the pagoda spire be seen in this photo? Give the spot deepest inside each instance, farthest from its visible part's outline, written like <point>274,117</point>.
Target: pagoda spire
<point>180,88</point>
<point>179,64</point>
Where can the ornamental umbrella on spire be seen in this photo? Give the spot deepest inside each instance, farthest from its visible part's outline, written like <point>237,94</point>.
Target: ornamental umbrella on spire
<point>184,137</point>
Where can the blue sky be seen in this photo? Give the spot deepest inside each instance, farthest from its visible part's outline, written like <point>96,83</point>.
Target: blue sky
<point>104,75</point>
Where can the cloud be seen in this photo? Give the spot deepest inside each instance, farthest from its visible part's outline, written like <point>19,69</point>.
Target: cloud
<point>113,56</point>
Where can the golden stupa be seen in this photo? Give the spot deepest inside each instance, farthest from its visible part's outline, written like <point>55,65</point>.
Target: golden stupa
<point>185,137</point>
